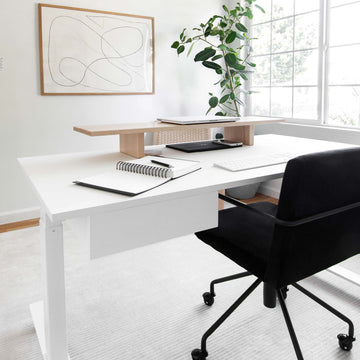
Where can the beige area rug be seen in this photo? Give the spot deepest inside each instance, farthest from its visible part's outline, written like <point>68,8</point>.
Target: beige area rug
<point>146,304</point>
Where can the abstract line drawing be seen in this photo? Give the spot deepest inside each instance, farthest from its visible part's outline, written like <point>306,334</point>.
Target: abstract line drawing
<point>91,52</point>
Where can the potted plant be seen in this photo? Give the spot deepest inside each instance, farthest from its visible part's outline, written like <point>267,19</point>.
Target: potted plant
<point>227,51</point>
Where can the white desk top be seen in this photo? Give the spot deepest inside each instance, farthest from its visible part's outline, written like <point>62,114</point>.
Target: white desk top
<point>51,176</point>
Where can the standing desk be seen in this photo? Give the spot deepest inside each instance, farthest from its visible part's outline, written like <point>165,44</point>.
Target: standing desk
<point>179,207</point>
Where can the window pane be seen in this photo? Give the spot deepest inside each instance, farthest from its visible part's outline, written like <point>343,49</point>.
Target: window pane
<point>260,101</point>
<point>302,6</point>
<point>282,8</point>
<point>261,45</point>
<point>305,103</point>
<point>340,2</point>
<point>344,65</point>
<point>261,75</point>
<point>282,35</point>
<point>306,31</point>
<point>345,25</point>
<point>344,106</point>
<point>282,69</point>
<point>281,102</point>
<point>306,67</point>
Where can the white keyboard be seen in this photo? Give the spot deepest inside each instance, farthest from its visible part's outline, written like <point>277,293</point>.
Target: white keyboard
<point>253,162</point>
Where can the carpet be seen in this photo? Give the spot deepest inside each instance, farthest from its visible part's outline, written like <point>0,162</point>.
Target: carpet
<point>146,303</point>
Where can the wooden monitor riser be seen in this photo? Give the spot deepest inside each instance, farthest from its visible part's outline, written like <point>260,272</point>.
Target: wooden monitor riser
<point>131,135</point>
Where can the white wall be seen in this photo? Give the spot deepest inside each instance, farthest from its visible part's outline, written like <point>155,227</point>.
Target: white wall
<point>31,124</point>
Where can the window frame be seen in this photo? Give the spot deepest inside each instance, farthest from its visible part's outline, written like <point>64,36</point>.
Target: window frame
<point>323,67</point>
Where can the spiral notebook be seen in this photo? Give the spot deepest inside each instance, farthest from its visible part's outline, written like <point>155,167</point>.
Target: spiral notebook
<point>137,176</point>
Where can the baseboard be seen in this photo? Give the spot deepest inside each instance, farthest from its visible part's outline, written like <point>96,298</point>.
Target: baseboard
<point>19,215</point>
<point>268,190</point>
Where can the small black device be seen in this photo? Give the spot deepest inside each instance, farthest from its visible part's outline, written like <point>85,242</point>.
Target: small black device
<point>196,146</point>
<point>228,142</point>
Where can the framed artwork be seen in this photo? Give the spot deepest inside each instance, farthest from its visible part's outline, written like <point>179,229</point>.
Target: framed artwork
<point>91,52</point>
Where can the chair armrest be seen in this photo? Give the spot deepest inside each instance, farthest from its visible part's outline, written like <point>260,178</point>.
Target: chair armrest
<point>292,223</point>
<point>241,204</point>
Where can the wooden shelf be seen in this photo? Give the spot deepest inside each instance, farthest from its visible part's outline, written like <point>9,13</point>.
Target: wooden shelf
<point>132,134</point>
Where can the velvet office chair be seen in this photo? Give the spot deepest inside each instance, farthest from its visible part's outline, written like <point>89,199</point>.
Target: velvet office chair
<point>315,225</point>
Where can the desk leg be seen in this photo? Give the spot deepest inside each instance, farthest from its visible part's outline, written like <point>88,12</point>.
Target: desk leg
<point>345,274</point>
<point>50,316</point>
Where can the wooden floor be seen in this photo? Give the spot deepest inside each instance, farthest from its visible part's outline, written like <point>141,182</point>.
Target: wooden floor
<point>35,222</point>
<point>19,225</point>
<point>260,197</point>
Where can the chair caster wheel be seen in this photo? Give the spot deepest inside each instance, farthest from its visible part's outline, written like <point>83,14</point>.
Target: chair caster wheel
<point>208,298</point>
<point>198,354</point>
<point>345,342</point>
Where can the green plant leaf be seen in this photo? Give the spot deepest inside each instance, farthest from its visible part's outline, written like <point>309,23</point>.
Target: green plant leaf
<point>205,54</point>
<point>189,40</point>
<point>182,34</point>
<point>239,36</point>
<point>211,65</point>
<point>231,59</point>
<point>219,71</point>
<point>190,49</point>
<point>219,113</point>
<point>208,110</point>
<point>248,13</point>
<point>214,32</point>
<point>225,8</point>
<point>244,76</point>
<point>238,67</point>
<point>213,101</point>
<point>239,101</point>
<point>217,57</point>
<point>259,7</point>
<point>211,94</point>
<point>180,49</point>
<point>224,98</point>
<point>222,47</point>
<point>231,37</point>
<point>208,31</point>
<point>241,27</point>
<point>233,12</point>
<point>175,45</point>
<point>251,64</point>
<point>223,82</point>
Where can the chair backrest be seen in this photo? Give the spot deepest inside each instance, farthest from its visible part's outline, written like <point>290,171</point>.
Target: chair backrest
<point>313,184</point>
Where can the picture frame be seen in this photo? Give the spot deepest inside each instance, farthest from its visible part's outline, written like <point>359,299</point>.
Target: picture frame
<point>94,52</point>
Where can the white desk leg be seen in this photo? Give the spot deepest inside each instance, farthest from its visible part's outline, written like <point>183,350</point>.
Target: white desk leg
<point>345,274</point>
<point>50,316</point>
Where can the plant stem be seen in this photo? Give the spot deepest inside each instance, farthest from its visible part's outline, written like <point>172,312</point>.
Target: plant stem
<point>231,85</point>
<point>200,38</point>
<point>228,107</point>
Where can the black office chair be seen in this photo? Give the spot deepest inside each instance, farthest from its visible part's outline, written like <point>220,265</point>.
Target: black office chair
<point>315,225</point>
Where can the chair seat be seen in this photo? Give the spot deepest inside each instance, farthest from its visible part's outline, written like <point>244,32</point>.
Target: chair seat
<point>243,236</point>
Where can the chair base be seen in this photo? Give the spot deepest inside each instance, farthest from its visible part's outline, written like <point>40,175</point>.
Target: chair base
<point>345,340</point>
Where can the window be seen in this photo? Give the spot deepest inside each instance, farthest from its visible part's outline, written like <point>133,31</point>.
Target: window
<point>307,56</point>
